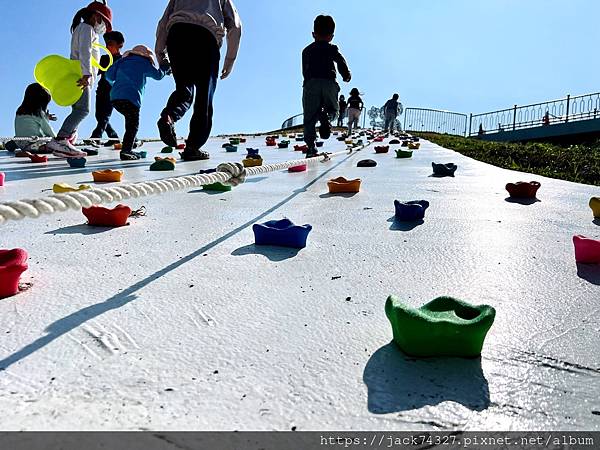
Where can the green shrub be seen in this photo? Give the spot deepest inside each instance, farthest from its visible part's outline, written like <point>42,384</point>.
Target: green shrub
<point>578,163</point>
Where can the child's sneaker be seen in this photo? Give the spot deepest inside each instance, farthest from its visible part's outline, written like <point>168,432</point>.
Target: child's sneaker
<point>166,130</point>
<point>62,148</point>
<point>325,127</point>
<point>194,155</point>
<point>130,156</point>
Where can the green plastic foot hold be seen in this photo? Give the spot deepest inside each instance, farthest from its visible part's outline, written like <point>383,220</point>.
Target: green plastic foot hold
<point>443,327</point>
<point>403,154</point>
<point>167,150</point>
<point>162,165</point>
<point>220,187</point>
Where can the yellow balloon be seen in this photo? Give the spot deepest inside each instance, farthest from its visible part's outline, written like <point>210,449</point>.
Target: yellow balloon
<point>59,75</point>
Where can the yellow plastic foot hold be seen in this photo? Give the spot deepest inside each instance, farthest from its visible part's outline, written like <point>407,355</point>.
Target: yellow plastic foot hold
<point>62,188</point>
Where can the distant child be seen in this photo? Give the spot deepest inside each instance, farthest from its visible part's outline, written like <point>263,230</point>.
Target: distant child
<point>342,113</point>
<point>88,23</point>
<point>391,110</point>
<point>320,94</point>
<point>128,79</point>
<point>191,33</point>
<point>32,119</point>
<point>355,106</point>
<point>114,42</point>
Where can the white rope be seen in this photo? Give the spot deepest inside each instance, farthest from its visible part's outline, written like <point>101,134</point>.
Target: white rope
<point>228,173</point>
<point>81,142</point>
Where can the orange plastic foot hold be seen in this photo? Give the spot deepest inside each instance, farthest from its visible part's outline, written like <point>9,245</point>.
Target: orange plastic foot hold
<point>99,216</point>
<point>522,189</point>
<point>341,185</point>
<point>107,176</point>
<point>300,168</point>
<point>12,264</point>
<point>594,204</point>
<point>118,146</point>
<point>382,149</point>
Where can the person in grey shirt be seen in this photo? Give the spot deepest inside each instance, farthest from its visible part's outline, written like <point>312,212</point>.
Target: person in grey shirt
<point>189,37</point>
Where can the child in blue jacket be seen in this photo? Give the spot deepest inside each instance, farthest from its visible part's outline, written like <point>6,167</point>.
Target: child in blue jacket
<point>128,79</point>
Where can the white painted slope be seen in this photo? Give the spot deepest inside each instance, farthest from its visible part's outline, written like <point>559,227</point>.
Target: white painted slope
<point>178,322</point>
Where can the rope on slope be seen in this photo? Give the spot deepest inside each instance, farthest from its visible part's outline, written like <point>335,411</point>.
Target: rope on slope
<point>227,173</point>
<point>36,139</point>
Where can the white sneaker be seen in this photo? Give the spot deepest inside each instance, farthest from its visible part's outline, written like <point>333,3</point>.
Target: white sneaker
<point>61,148</point>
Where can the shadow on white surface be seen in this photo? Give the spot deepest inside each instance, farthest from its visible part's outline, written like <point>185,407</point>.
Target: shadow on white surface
<point>589,273</point>
<point>397,382</point>
<point>522,201</point>
<point>274,254</point>
<point>396,225</point>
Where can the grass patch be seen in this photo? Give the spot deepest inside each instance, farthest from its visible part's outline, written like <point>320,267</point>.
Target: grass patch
<point>578,163</point>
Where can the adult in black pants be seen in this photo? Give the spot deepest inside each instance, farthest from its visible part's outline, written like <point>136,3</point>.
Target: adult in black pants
<point>191,33</point>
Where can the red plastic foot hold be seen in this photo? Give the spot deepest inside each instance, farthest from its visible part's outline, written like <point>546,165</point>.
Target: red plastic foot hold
<point>587,251</point>
<point>2,176</point>
<point>301,148</point>
<point>382,149</point>
<point>180,146</point>
<point>522,189</point>
<point>12,264</point>
<point>99,216</point>
<point>38,158</point>
<point>378,139</point>
<point>300,168</point>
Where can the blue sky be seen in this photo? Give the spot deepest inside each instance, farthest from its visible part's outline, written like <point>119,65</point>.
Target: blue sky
<point>460,55</point>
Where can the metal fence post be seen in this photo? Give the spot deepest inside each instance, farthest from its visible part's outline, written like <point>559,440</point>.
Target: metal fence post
<point>568,105</point>
<point>515,119</point>
<point>470,123</point>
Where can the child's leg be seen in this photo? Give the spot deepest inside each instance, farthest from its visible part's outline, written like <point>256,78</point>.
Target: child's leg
<point>132,123</point>
<point>350,120</point>
<point>103,111</point>
<point>312,107</point>
<point>110,131</point>
<point>80,111</point>
<point>331,92</point>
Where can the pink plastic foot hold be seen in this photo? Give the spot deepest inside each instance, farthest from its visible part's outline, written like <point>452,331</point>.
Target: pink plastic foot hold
<point>2,176</point>
<point>587,251</point>
<point>300,168</point>
<point>12,264</point>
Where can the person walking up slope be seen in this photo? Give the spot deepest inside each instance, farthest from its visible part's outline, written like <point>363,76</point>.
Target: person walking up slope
<point>391,111</point>
<point>320,92</point>
<point>189,35</point>
<point>114,42</point>
<point>342,113</point>
<point>88,23</point>
<point>128,79</point>
<point>355,107</point>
